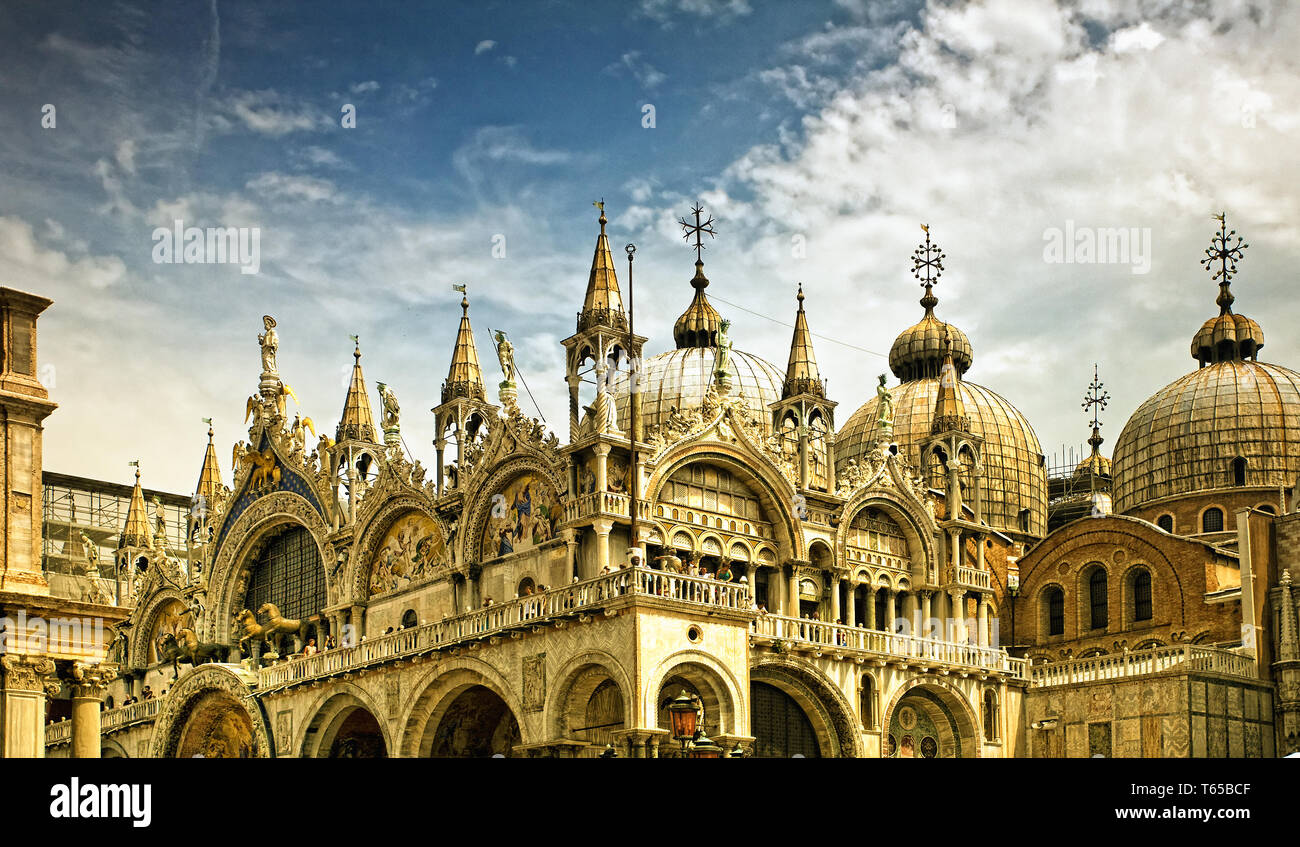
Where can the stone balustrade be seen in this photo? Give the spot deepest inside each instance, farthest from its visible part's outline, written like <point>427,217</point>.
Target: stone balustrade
<point>109,720</point>
<point>973,579</point>
<point>535,609</point>
<point>889,646</point>
<point>1181,658</point>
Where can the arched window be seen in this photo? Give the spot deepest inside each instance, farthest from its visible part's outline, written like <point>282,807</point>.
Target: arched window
<point>990,715</point>
<point>288,573</point>
<point>868,702</point>
<point>1239,471</point>
<point>1142,595</point>
<point>409,619</point>
<point>1212,520</point>
<point>1097,598</point>
<point>1166,522</point>
<point>1055,611</point>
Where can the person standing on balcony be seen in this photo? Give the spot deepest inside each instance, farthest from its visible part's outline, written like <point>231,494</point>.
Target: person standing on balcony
<point>310,649</point>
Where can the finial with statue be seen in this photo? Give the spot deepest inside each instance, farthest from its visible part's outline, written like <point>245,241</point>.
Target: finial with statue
<point>885,409</point>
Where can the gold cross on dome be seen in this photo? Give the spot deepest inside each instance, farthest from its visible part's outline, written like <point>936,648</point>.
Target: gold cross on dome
<point>1223,251</point>
<point>697,229</point>
<point>1096,398</point>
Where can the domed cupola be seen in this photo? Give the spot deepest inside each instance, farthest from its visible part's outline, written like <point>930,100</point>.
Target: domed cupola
<point>677,381</point>
<point>1224,436</point>
<point>1013,483</point>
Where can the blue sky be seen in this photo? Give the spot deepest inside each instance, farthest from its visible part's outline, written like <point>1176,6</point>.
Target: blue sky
<point>838,125</point>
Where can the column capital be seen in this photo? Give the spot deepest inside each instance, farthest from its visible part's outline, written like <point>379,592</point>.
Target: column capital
<point>89,679</point>
<point>29,673</point>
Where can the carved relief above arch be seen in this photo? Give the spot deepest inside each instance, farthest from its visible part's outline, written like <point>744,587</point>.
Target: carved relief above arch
<point>146,619</point>
<point>503,480</point>
<point>427,559</point>
<point>253,528</point>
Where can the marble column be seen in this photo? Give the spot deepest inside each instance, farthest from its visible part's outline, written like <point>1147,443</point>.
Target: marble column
<point>835,598</point>
<point>851,614</point>
<point>792,595</point>
<point>982,616</point>
<point>28,680</point>
<point>890,594</point>
<point>602,527</point>
<point>870,600</point>
<point>927,613</point>
<point>88,683</point>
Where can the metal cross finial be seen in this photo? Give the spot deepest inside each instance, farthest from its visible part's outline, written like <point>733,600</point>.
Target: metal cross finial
<point>927,262</point>
<point>1096,398</point>
<point>698,230</point>
<point>599,204</point>
<point>1223,251</point>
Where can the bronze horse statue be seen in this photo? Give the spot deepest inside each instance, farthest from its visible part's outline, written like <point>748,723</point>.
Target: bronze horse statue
<point>187,648</point>
<point>273,631</point>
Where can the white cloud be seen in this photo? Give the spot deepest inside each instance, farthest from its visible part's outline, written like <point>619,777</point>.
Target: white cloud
<point>266,112</point>
<point>484,46</point>
<point>364,87</point>
<point>646,74</point>
<point>27,265</point>
<point>667,12</point>
<point>279,186</point>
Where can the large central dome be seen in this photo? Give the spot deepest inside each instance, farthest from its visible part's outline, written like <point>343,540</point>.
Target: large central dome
<point>1013,487</point>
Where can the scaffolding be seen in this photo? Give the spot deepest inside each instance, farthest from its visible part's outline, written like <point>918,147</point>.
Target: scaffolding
<point>1070,490</point>
<point>74,504</point>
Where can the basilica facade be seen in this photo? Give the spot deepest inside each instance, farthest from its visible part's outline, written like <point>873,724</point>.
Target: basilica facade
<point>703,547</point>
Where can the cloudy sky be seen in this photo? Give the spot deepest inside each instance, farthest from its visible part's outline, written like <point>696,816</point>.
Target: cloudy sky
<point>818,134</point>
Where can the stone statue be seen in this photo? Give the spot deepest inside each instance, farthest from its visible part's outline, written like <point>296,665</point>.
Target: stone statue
<point>506,355</point>
<point>722,366</point>
<point>270,344</point>
<point>885,408</point>
<point>92,555</point>
<point>391,410</point>
<point>160,523</point>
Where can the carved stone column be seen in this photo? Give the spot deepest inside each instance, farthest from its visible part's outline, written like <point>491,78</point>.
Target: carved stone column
<point>602,527</point>
<point>28,680</point>
<point>851,613</point>
<point>88,682</point>
<point>602,466</point>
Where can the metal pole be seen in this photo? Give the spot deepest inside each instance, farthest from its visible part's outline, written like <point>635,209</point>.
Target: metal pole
<point>634,385</point>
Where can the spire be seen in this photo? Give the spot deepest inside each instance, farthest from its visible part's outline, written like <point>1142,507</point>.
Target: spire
<point>210,474</point>
<point>136,532</point>
<point>801,373</point>
<point>603,305</point>
<point>464,377</point>
<point>917,353</point>
<point>698,326</point>
<point>356,423</point>
<point>949,412</point>
<point>927,266</point>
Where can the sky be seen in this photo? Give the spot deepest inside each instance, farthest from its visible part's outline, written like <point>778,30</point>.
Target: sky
<point>819,136</point>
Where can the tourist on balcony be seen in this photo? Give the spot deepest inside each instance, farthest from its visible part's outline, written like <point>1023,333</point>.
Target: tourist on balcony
<point>147,693</point>
<point>310,649</point>
<point>330,643</point>
<point>724,572</point>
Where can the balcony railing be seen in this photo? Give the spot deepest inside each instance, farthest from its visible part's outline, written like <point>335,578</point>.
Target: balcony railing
<point>971,578</point>
<point>109,720</point>
<point>1178,658</point>
<point>498,619</point>
<point>888,645</point>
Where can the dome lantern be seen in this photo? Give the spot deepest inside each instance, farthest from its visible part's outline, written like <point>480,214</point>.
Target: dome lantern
<point>1227,337</point>
<point>918,351</point>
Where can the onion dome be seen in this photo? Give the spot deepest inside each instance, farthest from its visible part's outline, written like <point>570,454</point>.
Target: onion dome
<point>1013,484</point>
<point>1232,423</point>
<point>698,326</point>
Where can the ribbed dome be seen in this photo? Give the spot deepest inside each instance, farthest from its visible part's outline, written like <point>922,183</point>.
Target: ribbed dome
<point>1098,465</point>
<point>1184,439</point>
<point>918,350</point>
<point>1227,336</point>
<point>682,377</point>
<point>1014,477</point>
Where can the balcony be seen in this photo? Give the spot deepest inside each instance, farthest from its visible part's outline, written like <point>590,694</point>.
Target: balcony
<point>1180,658</point>
<point>970,579</point>
<point>109,720</point>
<point>886,646</point>
<point>597,504</point>
<point>515,616</point>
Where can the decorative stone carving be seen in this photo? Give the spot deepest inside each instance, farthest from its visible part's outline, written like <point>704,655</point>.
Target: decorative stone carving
<point>29,673</point>
<point>534,682</point>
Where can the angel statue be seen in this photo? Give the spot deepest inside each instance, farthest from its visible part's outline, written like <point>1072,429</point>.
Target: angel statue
<point>270,344</point>
<point>506,355</point>
<point>885,408</point>
<point>391,410</point>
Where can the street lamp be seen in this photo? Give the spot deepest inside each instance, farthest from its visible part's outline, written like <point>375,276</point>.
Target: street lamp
<point>683,711</point>
<point>704,748</point>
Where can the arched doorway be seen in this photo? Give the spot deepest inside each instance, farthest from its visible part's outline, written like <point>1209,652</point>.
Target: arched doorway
<point>358,737</point>
<point>218,727</point>
<point>476,724</point>
<point>927,724</point>
<point>780,727</point>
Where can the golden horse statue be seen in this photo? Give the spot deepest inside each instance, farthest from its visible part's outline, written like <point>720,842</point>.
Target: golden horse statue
<point>252,629</point>
<point>279,625</point>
